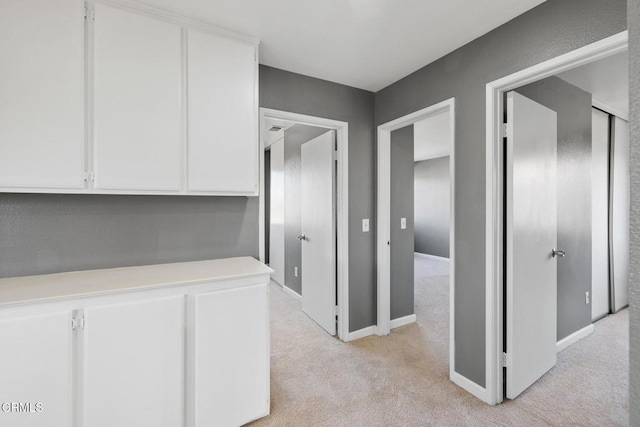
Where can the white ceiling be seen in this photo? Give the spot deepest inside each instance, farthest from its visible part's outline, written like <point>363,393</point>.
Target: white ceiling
<point>607,80</point>
<point>367,44</point>
<point>431,137</point>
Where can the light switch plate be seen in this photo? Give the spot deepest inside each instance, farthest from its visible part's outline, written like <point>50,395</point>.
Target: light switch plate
<point>403,223</point>
<point>365,225</point>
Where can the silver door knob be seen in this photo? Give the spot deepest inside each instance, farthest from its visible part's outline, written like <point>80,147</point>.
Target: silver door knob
<point>556,252</point>
<point>302,237</point>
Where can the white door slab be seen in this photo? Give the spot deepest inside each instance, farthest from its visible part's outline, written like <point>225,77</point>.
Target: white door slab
<point>319,231</point>
<point>599,214</point>
<point>620,211</point>
<point>531,236</point>
<point>276,212</point>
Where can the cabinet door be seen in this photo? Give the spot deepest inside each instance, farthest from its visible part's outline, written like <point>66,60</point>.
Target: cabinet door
<point>137,101</point>
<point>223,139</point>
<point>35,370</point>
<point>231,356</point>
<point>42,94</point>
<point>133,373</point>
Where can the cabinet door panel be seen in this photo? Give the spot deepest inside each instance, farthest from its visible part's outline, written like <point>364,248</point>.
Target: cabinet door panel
<point>42,94</point>
<point>223,141</point>
<point>138,121</point>
<point>35,368</point>
<point>231,356</point>
<point>133,372</point>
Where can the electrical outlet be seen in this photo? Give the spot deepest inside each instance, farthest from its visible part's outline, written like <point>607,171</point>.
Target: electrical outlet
<point>403,223</point>
<point>295,271</point>
<point>586,298</point>
<point>365,225</point>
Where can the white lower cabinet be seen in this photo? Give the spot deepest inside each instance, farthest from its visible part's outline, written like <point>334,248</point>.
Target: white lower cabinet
<point>231,386</point>
<point>133,364</point>
<point>36,370</point>
<point>193,352</point>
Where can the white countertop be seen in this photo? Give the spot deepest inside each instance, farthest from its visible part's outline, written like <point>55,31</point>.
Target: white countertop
<point>16,290</point>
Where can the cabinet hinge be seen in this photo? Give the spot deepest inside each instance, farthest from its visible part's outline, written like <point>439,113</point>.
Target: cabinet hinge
<point>507,130</point>
<point>77,322</point>
<point>504,360</point>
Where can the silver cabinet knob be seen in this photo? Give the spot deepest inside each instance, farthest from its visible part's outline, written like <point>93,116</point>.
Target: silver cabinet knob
<point>556,252</point>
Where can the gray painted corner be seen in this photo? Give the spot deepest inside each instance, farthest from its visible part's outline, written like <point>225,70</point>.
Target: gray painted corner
<point>553,28</point>
<point>294,137</point>
<point>432,207</point>
<point>402,273</point>
<point>573,106</point>
<point>634,264</point>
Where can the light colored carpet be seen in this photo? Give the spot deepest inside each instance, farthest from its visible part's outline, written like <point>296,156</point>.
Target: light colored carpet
<point>403,380</point>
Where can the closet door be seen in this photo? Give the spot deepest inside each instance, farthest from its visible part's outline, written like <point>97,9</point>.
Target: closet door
<point>137,102</point>
<point>42,94</point>
<point>223,138</point>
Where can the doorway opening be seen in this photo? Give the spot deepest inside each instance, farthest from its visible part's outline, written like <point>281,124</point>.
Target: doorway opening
<point>416,228</point>
<point>304,213</point>
<point>545,195</point>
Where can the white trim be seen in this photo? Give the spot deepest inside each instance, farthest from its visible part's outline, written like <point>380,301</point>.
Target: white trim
<point>383,216</point>
<point>402,321</point>
<point>574,337</point>
<point>494,194</point>
<point>361,333</point>
<point>287,290</point>
<point>469,385</point>
<point>609,109</point>
<point>342,201</point>
<point>431,257</point>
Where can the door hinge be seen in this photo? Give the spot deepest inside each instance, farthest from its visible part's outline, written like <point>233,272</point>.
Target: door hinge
<point>77,322</point>
<point>89,176</point>
<point>335,155</point>
<point>89,11</point>
<point>507,130</point>
<point>335,311</point>
<point>504,360</point>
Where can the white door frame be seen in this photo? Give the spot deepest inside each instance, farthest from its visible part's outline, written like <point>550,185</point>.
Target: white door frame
<point>342,201</point>
<point>384,214</point>
<point>493,392</point>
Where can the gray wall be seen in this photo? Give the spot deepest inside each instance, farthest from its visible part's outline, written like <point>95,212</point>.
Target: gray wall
<point>573,106</point>
<point>294,137</point>
<point>282,90</point>
<point>551,29</point>
<point>42,233</point>
<point>402,282</point>
<point>432,208</point>
<point>634,259</point>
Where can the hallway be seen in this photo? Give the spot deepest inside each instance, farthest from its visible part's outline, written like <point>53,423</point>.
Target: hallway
<point>403,379</point>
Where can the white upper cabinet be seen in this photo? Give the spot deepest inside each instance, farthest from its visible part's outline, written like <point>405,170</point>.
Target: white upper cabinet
<point>42,94</point>
<point>223,115</point>
<point>138,143</point>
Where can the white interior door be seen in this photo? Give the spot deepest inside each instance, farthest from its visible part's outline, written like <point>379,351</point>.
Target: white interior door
<point>599,214</point>
<point>276,212</point>
<point>319,231</point>
<point>620,211</point>
<point>531,237</point>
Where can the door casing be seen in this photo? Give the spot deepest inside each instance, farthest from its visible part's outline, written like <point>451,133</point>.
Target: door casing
<point>493,391</point>
<point>342,203</point>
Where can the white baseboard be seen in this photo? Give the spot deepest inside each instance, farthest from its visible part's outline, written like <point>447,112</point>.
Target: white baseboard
<point>292,293</point>
<point>431,257</point>
<point>470,386</point>
<point>574,338</point>
<point>361,333</point>
<point>401,321</point>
